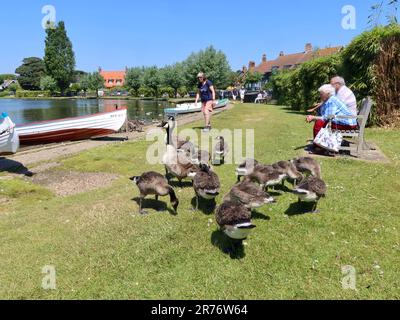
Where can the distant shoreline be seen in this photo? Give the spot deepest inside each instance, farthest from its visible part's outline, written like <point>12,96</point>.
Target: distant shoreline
<point>172,100</point>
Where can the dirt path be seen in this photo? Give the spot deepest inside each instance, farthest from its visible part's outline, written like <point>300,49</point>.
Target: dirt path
<point>28,157</point>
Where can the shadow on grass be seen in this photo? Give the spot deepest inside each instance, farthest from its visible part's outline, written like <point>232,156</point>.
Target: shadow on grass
<point>293,111</point>
<point>157,205</point>
<point>233,248</point>
<point>259,216</point>
<point>299,208</point>
<point>11,166</point>
<point>207,207</point>
<point>109,139</point>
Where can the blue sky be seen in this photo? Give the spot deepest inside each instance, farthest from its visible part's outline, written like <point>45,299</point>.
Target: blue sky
<point>115,34</point>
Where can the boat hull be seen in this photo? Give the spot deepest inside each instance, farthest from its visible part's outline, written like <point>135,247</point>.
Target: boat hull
<point>9,139</point>
<point>72,129</point>
<point>192,108</point>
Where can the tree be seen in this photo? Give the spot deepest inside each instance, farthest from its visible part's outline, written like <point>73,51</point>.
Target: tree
<point>30,73</point>
<point>48,83</point>
<point>92,81</point>
<point>253,77</point>
<point>13,88</point>
<point>173,76</point>
<point>4,77</point>
<point>210,61</point>
<point>152,79</point>
<point>59,56</point>
<point>134,79</point>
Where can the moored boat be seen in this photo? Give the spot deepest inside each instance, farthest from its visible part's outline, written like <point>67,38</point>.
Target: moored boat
<point>192,107</point>
<point>72,129</point>
<point>9,140</point>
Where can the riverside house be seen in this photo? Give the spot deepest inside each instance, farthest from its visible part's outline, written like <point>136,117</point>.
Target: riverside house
<point>287,61</point>
<point>113,79</point>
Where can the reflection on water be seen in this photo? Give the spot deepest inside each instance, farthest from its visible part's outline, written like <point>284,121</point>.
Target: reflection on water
<point>24,111</point>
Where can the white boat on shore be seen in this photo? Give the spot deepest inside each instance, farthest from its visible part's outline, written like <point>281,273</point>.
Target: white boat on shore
<point>192,107</point>
<point>72,129</point>
<point>9,139</point>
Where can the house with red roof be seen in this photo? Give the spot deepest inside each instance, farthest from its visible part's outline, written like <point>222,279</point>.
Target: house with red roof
<point>288,61</point>
<point>113,79</point>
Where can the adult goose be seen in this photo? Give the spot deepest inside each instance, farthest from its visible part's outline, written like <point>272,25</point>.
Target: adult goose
<point>246,168</point>
<point>249,194</point>
<point>177,142</point>
<point>234,219</point>
<point>308,166</point>
<point>311,189</point>
<point>153,183</point>
<point>206,184</point>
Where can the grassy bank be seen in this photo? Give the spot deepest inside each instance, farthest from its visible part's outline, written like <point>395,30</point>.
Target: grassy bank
<point>102,248</point>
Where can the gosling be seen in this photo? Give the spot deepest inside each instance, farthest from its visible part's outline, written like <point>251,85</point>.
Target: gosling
<point>311,189</point>
<point>153,183</point>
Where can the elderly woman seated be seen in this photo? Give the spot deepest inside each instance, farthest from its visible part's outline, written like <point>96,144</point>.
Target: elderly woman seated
<point>332,107</point>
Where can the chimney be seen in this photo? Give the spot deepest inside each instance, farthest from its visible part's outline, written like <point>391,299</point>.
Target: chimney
<point>309,47</point>
<point>264,58</point>
<point>252,66</point>
<point>281,54</point>
<point>100,70</point>
<point>244,69</point>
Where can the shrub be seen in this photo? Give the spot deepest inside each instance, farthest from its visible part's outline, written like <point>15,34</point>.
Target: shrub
<point>167,90</point>
<point>32,94</point>
<point>146,92</point>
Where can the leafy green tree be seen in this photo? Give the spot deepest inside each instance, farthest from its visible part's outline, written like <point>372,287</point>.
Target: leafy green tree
<point>173,76</point>
<point>152,79</point>
<point>210,61</point>
<point>13,87</point>
<point>253,77</point>
<point>59,56</point>
<point>30,73</point>
<point>92,81</point>
<point>49,84</point>
<point>4,77</point>
<point>134,79</point>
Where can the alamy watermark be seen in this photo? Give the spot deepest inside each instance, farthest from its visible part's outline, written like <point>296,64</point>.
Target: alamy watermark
<point>238,142</point>
<point>349,20</point>
<point>49,280</point>
<point>49,20</point>
<point>349,281</point>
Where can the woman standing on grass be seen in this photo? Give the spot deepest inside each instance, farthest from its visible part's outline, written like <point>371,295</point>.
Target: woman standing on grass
<point>206,92</point>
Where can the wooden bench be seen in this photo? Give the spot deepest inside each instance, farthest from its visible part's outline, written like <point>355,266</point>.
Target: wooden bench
<point>358,135</point>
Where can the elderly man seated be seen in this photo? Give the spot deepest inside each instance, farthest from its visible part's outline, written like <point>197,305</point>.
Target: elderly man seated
<point>331,106</point>
<point>343,93</point>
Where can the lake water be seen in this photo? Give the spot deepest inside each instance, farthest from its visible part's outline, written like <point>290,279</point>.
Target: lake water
<point>24,111</point>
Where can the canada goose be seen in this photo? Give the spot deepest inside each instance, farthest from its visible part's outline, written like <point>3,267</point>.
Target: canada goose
<point>178,165</point>
<point>249,194</point>
<point>311,189</point>
<point>288,169</point>
<point>234,219</point>
<point>246,168</point>
<point>267,176</point>
<point>308,166</point>
<point>153,183</point>
<point>176,141</point>
<point>221,150</point>
<point>206,184</point>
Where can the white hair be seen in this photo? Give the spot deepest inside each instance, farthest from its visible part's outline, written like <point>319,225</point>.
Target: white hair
<point>339,80</point>
<point>327,88</point>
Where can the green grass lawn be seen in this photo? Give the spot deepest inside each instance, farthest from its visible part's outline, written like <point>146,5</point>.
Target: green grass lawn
<point>102,248</point>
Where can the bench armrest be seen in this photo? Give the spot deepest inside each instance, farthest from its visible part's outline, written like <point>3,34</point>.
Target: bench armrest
<point>346,117</point>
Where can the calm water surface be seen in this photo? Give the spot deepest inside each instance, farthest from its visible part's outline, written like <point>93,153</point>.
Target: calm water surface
<point>24,111</point>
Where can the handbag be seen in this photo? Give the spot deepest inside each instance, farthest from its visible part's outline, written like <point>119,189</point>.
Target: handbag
<point>328,139</point>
